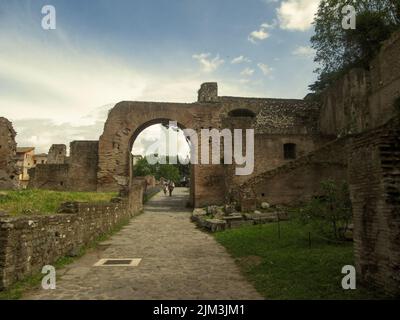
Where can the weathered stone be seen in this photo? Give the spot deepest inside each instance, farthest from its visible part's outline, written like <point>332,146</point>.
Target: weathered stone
<point>199,212</point>
<point>76,173</point>
<point>374,180</point>
<point>69,207</point>
<point>265,205</point>
<point>29,242</point>
<point>236,214</point>
<point>8,164</point>
<point>57,154</point>
<point>215,225</point>
<point>116,200</point>
<point>212,210</point>
<point>229,208</point>
<point>3,214</point>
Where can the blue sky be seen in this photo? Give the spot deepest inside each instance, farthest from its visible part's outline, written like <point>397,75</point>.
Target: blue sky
<point>58,84</point>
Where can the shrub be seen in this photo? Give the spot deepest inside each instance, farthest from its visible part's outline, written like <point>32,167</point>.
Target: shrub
<point>331,213</point>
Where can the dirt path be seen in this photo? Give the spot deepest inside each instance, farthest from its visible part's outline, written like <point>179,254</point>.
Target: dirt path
<point>178,262</point>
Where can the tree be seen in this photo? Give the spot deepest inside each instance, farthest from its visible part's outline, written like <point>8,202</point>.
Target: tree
<point>169,172</point>
<point>331,213</point>
<point>174,172</point>
<point>337,49</point>
<point>142,168</point>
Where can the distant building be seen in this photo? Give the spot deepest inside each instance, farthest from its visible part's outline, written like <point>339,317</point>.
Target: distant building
<point>136,158</point>
<point>25,161</point>
<point>40,158</point>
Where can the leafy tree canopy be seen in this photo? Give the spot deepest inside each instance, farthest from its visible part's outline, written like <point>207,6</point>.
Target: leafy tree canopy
<point>337,49</point>
<point>174,172</point>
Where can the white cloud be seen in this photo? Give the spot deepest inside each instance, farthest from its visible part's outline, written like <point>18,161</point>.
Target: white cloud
<point>262,33</point>
<point>240,59</point>
<point>247,72</point>
<point>304,51</point>
<point>266,70</point>
<point>52,91</point>
<point>160,135</point>
<point>297,15</point>
<point>207,63</point>
<point>51,86</point>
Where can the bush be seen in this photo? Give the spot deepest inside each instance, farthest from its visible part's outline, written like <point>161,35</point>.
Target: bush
<point>331,213</point>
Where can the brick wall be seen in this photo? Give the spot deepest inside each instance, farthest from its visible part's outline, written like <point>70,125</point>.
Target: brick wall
<point>27,243</point>
<point>78,174</point>
<point>8,168</point>
<point>363,99</point>
<point>83,162</point>
<point>374,172</point>
<point>299,179</point>
<point>49,176</point>
<point>57,154</point>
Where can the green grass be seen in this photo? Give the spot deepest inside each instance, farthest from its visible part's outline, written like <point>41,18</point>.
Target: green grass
<point>17,290</point>
<point>32,201</point>
<point>287,268</point>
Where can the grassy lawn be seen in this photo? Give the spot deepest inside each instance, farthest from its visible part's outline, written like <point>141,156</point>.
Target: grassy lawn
<point>44,201</point>
<point>287,268</point>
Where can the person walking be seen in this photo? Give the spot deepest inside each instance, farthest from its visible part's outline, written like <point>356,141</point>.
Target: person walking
<point>165,188</point>
<point>171,187</point>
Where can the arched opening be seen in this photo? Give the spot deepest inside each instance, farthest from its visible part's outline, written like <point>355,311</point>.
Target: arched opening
<point>160,153</point>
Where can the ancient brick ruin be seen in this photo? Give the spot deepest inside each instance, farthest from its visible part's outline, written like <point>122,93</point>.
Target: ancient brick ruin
<point>352,136</point>
<point>78,172</point>
<point>8,163</point>
<point>28,243</point>
<point>374,176</point>
<point>57,154</point>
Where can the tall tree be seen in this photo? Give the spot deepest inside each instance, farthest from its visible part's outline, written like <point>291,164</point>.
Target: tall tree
<point>338,49</point>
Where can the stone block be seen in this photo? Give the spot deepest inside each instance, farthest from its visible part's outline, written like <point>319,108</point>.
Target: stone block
<point>215,225</point>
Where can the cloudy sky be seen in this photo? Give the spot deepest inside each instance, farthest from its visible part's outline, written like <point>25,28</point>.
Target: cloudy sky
<point>57,85</point>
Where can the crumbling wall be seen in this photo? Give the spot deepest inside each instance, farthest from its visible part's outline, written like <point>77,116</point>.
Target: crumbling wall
<point>135,197</point>
<point>50,177</point>
<point>78,174</point>
<point>364,99</point>
<point>298,180</point>
<point>208,92</point>
<point>374,177</point>
<point>83,163</point>
<point>8,163</point>
<point>57,154</point>
<point>27,243</point>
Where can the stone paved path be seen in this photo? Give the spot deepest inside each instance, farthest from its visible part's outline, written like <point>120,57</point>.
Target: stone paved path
<point>178,262</point>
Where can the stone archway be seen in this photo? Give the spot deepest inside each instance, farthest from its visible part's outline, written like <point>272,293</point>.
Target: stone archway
<point>139,130</point>
<point>125,121</point>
